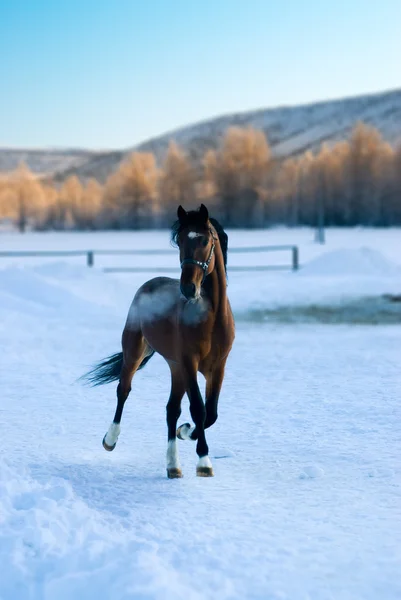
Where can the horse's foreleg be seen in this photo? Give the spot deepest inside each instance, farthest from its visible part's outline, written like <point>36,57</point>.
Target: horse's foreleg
<point>214,381</point>
<point>134,351</point>
<point>173,411</point>
<point>198,414</point>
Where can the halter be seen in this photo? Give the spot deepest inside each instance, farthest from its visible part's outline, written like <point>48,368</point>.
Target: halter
<point>202,265</point>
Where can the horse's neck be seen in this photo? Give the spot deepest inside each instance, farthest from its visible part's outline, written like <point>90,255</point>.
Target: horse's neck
<point>216,284</point>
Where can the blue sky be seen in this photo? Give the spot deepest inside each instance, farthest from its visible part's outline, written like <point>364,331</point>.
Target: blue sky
<point>112,73</point>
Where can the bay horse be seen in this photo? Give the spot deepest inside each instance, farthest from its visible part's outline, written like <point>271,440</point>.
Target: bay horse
<point>190,323</point>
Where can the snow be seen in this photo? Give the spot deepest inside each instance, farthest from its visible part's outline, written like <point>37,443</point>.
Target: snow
<point>353,264</point>
<point>306,499</point>
<point>356,262</point>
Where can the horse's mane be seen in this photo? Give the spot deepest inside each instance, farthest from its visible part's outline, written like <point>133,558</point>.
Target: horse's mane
<point>193,219</point>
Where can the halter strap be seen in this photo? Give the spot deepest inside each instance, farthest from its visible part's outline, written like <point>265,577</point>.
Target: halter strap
<point>202,265</point>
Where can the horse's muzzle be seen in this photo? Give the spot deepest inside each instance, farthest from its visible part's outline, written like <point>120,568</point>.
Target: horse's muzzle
<point>188,290</point>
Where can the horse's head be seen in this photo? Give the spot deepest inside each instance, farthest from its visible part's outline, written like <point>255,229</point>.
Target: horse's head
<point>196,240</point>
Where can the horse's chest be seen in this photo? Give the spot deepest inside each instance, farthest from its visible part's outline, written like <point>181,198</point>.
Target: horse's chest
<point>206,334</point>
<point>215,344</point>
<point>195,314</point>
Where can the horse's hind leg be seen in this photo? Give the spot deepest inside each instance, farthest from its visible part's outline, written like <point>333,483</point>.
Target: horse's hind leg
<point>134,351</point>
<point>173,410</point>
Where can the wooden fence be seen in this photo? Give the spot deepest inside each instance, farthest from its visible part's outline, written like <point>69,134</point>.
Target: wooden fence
<point>90,258</point>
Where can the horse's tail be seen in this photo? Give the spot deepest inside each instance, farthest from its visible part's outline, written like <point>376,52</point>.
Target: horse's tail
<point>109,369</point>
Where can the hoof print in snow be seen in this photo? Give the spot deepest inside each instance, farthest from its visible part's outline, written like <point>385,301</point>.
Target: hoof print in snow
<point>311,472</point>
<point>221,453</point>
<point>174,473</point>
<point>380,473</point>
<point>106,446</point>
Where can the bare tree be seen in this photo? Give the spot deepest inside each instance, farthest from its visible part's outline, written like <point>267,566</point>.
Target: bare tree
<point>92,199</point>
<point>130,195</point>
<point>24,198</point>
<point>365,147</point>
<point>347,183</point>
<point>177,181</point>
<point>238,171</point>
<point>71,202</point>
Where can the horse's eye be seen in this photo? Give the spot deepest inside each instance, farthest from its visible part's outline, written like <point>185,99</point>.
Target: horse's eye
<point>205,242</point>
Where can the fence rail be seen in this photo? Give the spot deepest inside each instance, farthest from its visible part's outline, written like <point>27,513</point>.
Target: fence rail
<point>90,257</point>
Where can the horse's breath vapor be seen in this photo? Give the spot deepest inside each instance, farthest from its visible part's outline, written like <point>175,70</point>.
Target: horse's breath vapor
<point>190,323</point>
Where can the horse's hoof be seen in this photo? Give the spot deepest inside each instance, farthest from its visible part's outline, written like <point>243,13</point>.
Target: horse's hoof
<point>174,473</point>
<point>106,446</point>
<point>204,472</point>
<point>183,432</point>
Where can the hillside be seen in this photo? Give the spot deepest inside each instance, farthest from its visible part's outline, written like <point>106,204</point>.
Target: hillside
<point>43,160</point>
<point>290,130</point>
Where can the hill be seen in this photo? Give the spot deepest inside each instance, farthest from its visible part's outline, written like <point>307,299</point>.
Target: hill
<point>289,129</point>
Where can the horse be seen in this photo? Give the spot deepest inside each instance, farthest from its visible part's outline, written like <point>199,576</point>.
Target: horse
<point>190,323</point>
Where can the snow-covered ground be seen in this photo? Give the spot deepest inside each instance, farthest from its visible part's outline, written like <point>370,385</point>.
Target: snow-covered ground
<point>354,264</point>
<point>306,499</point>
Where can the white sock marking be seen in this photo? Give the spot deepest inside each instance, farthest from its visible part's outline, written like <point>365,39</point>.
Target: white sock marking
<point>112,434</point>
<point>204,462</point>
<point>173,461</point>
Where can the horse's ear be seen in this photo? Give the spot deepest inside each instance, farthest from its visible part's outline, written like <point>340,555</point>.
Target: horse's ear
<point>203,213</point>
<point>181,214</point>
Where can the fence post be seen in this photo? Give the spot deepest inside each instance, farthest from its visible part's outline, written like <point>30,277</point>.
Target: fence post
<point>90,258</point>
<point>295,258</point>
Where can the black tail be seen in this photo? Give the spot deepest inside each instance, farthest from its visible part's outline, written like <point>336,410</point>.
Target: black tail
<point>110,369</point>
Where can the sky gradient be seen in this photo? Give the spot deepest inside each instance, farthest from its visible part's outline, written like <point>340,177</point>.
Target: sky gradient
<point>112,73</point>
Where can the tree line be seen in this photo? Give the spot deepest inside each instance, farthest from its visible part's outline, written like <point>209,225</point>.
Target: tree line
<point>348,183</point>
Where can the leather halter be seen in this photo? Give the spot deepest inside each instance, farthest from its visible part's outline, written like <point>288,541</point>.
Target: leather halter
<point>203,265</point>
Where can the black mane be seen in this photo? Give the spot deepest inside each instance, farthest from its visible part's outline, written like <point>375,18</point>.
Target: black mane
<point>193,220</point>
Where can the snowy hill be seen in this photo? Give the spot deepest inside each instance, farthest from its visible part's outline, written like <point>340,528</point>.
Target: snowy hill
<point>43,160</point>
<point>290,130</point>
